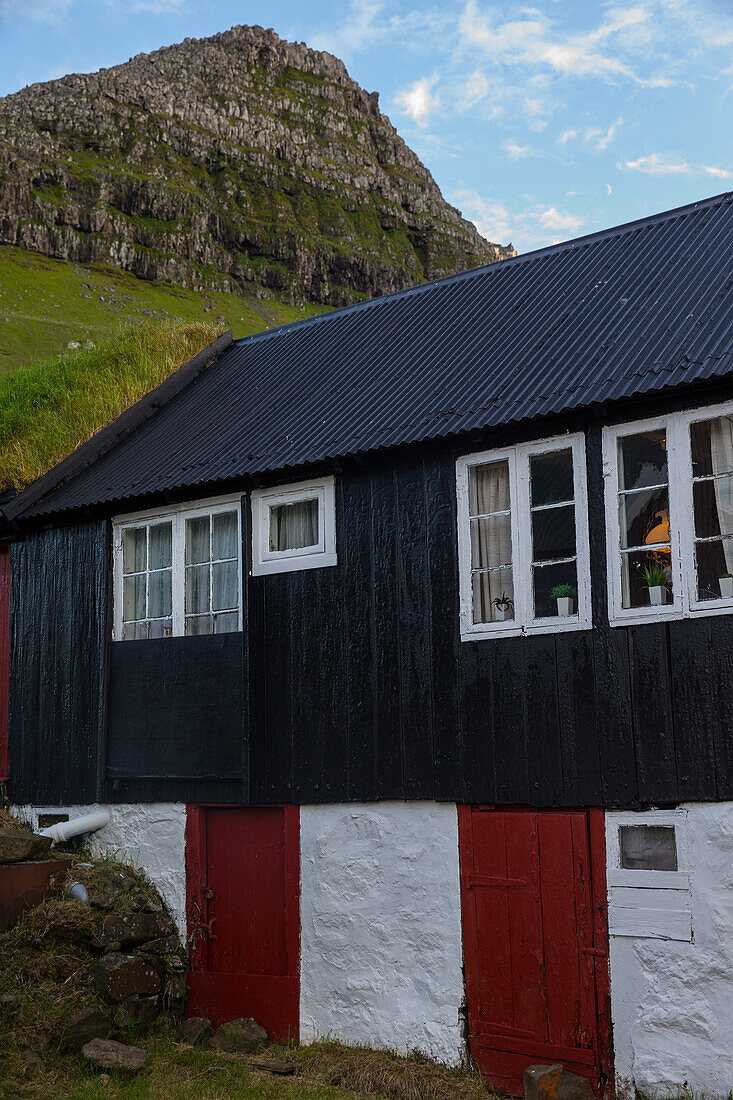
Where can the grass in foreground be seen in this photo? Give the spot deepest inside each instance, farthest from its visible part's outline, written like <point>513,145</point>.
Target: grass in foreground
<point>48,409</point>
<point>45,303</point>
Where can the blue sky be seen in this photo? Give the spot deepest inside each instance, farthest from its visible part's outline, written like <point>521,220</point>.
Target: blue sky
<point>540,122</point>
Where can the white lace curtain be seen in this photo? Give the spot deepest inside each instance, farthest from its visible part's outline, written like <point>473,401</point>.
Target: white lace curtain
<point>491,538</point>
<point>721,450</point>
<point>293,526</point>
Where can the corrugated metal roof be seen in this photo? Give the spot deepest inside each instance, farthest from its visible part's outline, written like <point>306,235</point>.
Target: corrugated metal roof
<point>616,314</point>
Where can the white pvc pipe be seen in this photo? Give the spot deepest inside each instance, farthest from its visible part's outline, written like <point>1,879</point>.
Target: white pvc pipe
<point>87,823</point>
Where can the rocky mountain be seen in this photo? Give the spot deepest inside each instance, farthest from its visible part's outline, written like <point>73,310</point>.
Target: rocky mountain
<point>239,162</point>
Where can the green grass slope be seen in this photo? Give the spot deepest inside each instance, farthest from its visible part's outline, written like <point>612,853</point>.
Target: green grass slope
<point>47,303</point>
<point>51,406</point>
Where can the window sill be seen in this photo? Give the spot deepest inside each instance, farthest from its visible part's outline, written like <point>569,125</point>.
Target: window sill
<point>291,564</point>
<point>553,626</point>
<point>645,615</point>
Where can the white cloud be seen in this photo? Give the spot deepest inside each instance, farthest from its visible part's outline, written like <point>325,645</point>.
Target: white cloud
<point>39,10</point>
<point>534,226</point>
<point>715,172</point>
<point>515,151</point>
<point>360,29</point>
<point>475,89</point>
<point>603,140</point>
<point>566,136</point>
<point>418,100</point>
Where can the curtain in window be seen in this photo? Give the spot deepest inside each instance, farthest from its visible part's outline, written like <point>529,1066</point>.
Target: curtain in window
<point>293,526</point>
<point>721,450</point>
<point>491,537</point>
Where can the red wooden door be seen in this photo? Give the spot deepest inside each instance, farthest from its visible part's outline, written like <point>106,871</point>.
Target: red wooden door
<point>535,934</point>
<point>4,656</point>
<point>242,869</point>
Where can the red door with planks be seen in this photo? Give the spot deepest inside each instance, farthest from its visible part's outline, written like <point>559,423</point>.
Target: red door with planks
<point>243,912</point>
<point>533,897</point>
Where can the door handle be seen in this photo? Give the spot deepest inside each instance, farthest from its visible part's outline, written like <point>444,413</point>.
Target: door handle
<point>210,928</point>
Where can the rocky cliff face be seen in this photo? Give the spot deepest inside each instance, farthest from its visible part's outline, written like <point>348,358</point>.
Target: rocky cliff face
<point>240,162</point>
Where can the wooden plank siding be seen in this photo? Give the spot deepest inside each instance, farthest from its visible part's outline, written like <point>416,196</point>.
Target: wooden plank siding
<point>355,682</point>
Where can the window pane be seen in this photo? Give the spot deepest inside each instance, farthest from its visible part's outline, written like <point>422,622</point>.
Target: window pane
<point>648,847</point>
<point>491,542</point>
<point>197,539</point>
<point>643,459</point>
<point>493,596</point>
<point>634,586</point>
<point>133,597</point>
<point>713,507</point>
<point>712,446</point>
<point>488,488</point>
<point>160,546</point>
<point>198,624</point>
<point>226,623</point>
<point>224,586</point>
<point>644,518</point>
<point>161,628</point>
<point>160,594</point>
<point>224,536</point>
<point>553,533</point>
<point>547,578</point>
<point>197,589</point>
<point>132,632</point>
<point>714,569</point>
<point>294,526</point>
<point>552,478</point>
<point>134,557</point>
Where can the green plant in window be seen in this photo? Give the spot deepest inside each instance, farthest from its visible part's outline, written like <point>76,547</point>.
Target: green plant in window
<point>656,575</point>
<point>563,592</point>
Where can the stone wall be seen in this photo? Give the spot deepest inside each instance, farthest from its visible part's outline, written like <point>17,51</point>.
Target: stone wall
<point>151,837</point>
<point>381,945</point>
<point>672,999</point>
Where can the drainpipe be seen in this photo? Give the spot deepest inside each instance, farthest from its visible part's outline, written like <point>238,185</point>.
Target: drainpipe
<point>87,823</point>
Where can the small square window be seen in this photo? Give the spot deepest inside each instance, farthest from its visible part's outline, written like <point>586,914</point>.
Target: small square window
<point>294,527</point>
<point>648,847</point>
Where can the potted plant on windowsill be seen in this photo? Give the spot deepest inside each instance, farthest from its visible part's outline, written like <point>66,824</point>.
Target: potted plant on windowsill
<point>565,594</point>
<point>726,586</point>
<point>503,608</point>
<point>656,578</point>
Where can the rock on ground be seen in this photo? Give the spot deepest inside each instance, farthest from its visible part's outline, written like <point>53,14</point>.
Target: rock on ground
<point>16,845</point>
<point>239,1036</point>
<point>90,1023</point>
<point>107,1054</point>
<point>195,1031</point>
<point>117,977</point>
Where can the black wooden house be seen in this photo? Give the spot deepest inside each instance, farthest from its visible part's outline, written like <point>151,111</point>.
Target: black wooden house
<point>415,620</point>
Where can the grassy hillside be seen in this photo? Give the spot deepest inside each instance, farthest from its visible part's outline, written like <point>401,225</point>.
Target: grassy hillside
<point>46,303</point>
<point>48,408</point>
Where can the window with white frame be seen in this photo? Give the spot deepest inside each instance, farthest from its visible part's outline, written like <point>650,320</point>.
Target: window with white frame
<point>177,571</point>
<point>669,515</point>
<point>522,539</point>
<point>294,527</point>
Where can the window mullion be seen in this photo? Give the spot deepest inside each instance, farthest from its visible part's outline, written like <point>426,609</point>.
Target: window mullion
<point>681,493</point>
<point>178,558</point>
<point>523,578</point>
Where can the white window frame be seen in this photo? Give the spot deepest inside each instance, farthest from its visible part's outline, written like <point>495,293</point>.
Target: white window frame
<point>685,603</point>
<point>645,904</point>
<point>322,553</point>
<point>518,458</point>
<point>177,515</point>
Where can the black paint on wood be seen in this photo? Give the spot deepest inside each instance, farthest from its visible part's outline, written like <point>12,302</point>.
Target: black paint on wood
<point>351,682</point>
<point>175,708</point>
<point>59,631</point>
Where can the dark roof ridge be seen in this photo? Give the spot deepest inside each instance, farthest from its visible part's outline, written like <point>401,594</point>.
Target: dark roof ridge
<point>474,272</point>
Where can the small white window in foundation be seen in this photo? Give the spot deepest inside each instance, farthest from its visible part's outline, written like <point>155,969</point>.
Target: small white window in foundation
<point>648,875</point>
<point>294,527</point>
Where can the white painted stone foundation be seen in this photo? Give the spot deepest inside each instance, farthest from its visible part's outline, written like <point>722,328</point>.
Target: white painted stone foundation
<point>381,945</point>
<point>150,836</point>
<point>672,999</point>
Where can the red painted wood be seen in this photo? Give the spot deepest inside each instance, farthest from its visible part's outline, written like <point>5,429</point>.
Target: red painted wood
<point>529,914</point>
<point>4,657</point>
<point>244,914</point>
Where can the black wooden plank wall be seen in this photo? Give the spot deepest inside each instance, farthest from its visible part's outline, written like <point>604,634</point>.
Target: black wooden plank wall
<point>367,692</point>
<point>58,612</point>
